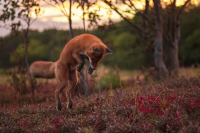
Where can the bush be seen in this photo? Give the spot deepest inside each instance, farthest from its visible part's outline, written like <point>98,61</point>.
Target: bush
<point>110,78</point>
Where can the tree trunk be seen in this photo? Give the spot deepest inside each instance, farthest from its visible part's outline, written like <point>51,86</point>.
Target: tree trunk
<point>84,30</point>
<point>25,35</point>
<point>53,49</point>
<point>145,22</point>
<point>173,58</point>
<point>158,42</point>
<point>71,36</point>
<point>26,61</point>
<point>84,82</point>
<point>174,34</point>
<point>70,20</point>
<point>173,65</point>
<point>84,78</point>
<point>146,41</point>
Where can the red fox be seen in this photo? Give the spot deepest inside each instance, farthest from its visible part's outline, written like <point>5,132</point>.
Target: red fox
<point>85,46</point>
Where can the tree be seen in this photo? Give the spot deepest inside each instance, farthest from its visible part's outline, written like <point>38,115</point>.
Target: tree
<point>92,18</point>
<point>147,29</point>
<point>21,11</point>
<point>84,78</point>
<point>172,35</point>
<point>62,6</point>
<point>153,28</point>
<point>158,41</point>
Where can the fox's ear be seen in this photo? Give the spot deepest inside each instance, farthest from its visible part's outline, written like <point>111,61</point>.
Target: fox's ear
<point>96,51</point>
<point>108,51</point>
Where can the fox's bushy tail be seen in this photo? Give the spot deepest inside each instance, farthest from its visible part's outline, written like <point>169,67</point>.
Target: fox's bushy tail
<point>43,69</point>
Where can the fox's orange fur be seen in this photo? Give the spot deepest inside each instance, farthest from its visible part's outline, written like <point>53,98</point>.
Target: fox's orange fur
<point>81,47</point>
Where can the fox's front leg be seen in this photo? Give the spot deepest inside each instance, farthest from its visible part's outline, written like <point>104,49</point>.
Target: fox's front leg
<point>80,61</point>
<point>91,68</point>
<point>80,67</point>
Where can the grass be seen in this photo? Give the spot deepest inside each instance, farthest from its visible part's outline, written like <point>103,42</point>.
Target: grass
<point>189,72</point>
<point>169,106</point>
<point>3,79</point>
<point>124,74</point>
<point>164,106</point>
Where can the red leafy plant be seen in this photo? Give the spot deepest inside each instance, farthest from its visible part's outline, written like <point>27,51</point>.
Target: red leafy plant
<point>169,106</point>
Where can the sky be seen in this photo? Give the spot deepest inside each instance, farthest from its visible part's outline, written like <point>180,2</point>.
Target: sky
<point>52,17</point>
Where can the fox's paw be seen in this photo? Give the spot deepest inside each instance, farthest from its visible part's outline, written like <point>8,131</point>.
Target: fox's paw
<point>90,70</point>
<point>79,68</point>
<point>59,106</point>
<point>70,104</point>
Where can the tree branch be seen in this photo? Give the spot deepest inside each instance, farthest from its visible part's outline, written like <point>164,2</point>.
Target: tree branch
<point>128,21</point>
<point>143,15</point>
<point>60,9</point>
<point>182,8</point>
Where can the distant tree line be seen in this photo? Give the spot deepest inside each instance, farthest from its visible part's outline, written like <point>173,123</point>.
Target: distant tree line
<point>151,38</point>
<point>126,43</point>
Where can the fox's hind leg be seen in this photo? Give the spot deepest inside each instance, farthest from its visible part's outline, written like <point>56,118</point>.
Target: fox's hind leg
<point>62,79</point>
<point>73,80</point>
<point>57,92</point>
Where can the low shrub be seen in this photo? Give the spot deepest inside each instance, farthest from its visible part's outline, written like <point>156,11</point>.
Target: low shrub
<point>168,106</point>
<point>111,79</point>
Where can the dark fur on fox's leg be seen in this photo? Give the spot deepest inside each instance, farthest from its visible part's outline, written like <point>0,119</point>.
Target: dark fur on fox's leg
<point>59,106</point>
<point>90,70</point>
<point>80,67</point>
<point>70,104</point>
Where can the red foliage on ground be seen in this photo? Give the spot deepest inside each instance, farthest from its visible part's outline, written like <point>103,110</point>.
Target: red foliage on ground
<point>169,106</point>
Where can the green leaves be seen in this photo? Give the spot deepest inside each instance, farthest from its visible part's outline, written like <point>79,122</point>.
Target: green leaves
<point>24,11</point>
<point>13,17</point>
<point>190,41</point>
<point>125,40</point>
<point>12,12</point>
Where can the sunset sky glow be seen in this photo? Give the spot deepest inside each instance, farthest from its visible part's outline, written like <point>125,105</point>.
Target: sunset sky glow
<point>51,15</point>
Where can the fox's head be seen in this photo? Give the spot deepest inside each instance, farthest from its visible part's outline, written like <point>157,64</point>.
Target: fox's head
<point>95,53</point>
